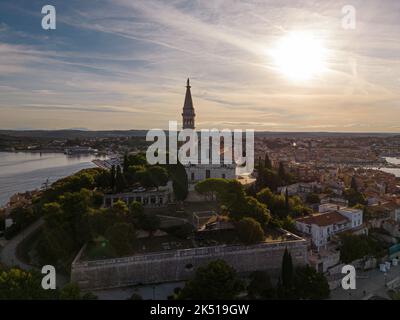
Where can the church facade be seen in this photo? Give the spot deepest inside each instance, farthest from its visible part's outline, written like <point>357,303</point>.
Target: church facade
<point>199,172</point>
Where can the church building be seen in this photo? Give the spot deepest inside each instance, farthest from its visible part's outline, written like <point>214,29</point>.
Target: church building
<point>199,172</point>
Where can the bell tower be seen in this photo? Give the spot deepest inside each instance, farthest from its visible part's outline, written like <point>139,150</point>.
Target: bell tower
<point>188,114</point>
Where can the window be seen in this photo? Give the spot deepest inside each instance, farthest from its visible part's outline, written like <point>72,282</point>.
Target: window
<point>223,176</point>
<point>208,174</point>
<point>192,176</point>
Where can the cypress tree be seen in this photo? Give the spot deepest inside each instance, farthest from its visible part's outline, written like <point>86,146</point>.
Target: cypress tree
<point>119,180</point>
<point>267,162</point>
<point>281,171</point>
<point>112,180</point>
<point>287,271</point>
<point>125,165</point>
<point>353,184</point>
<point>287,200</point>
<point>259,163</point>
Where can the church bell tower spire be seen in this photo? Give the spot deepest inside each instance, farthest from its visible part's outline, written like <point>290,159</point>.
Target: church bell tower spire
<point>188,114</point>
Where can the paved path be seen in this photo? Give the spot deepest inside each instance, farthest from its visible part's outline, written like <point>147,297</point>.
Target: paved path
<point>8,255</point>
<point>372,282</point>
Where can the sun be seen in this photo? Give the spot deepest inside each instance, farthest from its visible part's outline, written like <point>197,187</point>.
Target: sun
<point>300,56</point>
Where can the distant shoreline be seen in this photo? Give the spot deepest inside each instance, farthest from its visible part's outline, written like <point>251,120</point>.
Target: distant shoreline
<point>16,178</point>
<point>33,151</point>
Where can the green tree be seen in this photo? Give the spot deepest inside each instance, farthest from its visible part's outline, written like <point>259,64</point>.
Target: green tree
<point>268,178</point>
<point>53,214</point>
<point>103,180</point>
<point>100,220</point>
<point>256,210</point>
<point>216,281</point>
<point>250,231</point>
<point>112,177</point>
<point>265,196</point>
<point>282,171</point>
<point>138,159</point>
<point>97,198</point>
<point>211,187</point>
<point>133,174</point>
<point>17,284</point>
<point>286,283</point>
<point>353,184</point>
<point>23,216</point>
<point>120,209</point>
<point>76,208</point>
<point>260,164</point>
<point>120,182</point>
<point>354,247</point>
<point>287,208</point>
<point>312,198</point>
<point>354,197</point>
<point>125,164</point>
<point>121,236</point>
<point>311,284</point>
<point>260,286</point>
<point>136,209</point>
<point>267,162</point>
<point>70,291</point>
<point>180,182</point>
<point>158,175</point>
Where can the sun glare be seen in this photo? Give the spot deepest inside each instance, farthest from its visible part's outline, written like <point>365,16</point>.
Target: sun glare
<point>299,56</point>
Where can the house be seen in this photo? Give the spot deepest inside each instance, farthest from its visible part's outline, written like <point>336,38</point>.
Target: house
<point>330,220</point>
<point>322,226</point>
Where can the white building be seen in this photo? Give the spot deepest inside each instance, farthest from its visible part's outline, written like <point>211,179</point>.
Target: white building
<point>330,220</point>
<point>149,198</point>
<point>201,172</point>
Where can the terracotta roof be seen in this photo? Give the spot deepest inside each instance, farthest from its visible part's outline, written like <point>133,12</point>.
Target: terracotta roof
<point>324,219</point>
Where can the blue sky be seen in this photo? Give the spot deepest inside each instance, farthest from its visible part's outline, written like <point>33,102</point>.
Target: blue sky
<point>121,64</point>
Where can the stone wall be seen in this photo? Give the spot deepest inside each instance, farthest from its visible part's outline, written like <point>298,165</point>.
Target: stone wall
<point>181,264</point>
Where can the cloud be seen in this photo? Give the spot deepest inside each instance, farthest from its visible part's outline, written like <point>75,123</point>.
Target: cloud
<point>130,59</point>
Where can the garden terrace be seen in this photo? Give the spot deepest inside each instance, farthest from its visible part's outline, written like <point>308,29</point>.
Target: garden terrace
<point>170,243</point>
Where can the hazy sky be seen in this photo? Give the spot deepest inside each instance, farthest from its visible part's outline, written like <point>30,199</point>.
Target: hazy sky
<point>123,64</point>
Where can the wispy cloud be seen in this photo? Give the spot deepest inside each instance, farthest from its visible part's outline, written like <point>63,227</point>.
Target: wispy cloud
<point>122,64</point>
